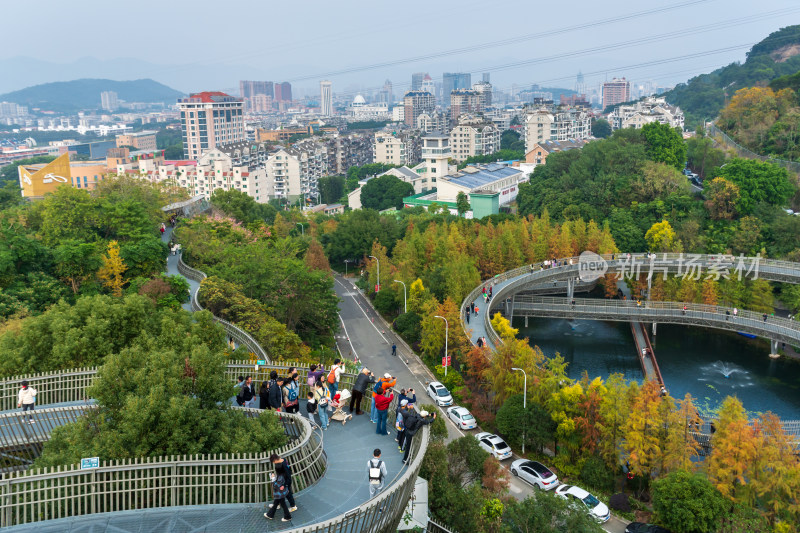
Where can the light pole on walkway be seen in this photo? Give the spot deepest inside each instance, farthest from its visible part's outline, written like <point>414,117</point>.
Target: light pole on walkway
<point>446,332</point>
<point>405,309</point>
<point>377,285</point>
<point>302,229</point>
<point>524,404</point>
<point>345,267</point>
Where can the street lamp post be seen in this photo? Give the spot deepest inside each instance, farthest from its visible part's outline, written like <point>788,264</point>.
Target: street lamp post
<point>446,329</point>
<point>345,267</point>
<point>405,309</point>
<point>524,403</point>
<point>302,229</point>
<point>377,285</point>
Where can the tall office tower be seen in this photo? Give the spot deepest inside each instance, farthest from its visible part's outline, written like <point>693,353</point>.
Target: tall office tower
<point>616,91</point>
<point>386,93</point>
<point>108,100</point>
<point>455,80</point>
<point>428,85</point>
<point>283,91</point>
<point>325,98</point>
<point>209,119</point>
<point>485,78</point>
<point>416,80</point>
<point>580,84</point>
<point>416,103</point>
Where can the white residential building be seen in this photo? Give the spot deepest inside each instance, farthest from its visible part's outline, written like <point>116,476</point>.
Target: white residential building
<point>432,122</point>
<point>326,98</point>
<point>544,124</point>
<point>396,148</point>
<point>650,109</point>
<point>473,137</point>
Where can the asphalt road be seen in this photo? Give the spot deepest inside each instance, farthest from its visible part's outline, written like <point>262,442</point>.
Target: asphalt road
<point>365,334</point>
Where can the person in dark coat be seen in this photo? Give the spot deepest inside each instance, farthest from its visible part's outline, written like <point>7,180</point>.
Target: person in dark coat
<point>287,476</point>
<point>279,493</point>
<point>413,422</point>
<point>275,396</point>
<point>364,380</point>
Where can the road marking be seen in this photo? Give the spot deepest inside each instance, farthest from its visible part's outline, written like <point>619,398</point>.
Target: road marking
<point>347,336</point>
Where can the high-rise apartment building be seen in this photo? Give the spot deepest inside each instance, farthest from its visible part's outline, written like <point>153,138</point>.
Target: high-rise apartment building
<point>386,93</point>
<point>283,92</point>
<point>108,100</point>
<point>616,92</point>
<point>455,80</point>
<point>260,103</point>
<point>209,119</point>
<point>325,98</point>
<point>473,137</point>
<point>416,80</point>
<point>464,101</point>
<point>396,149</point>
<point>248,89</point>
<point>428,85</point>
<point>416,103</point>
<point>484,89</point>
<point>580,84</point>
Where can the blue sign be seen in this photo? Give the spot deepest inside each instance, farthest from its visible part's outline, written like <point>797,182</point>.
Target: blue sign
<point>90,462</point>
<point>261,362</point>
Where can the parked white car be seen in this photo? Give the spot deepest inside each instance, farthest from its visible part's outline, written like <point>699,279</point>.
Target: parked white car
<point>534,473</point>
<point>494,445</point>
<point>583,499</point>
<point>439,393</point>
<point>462,417</point>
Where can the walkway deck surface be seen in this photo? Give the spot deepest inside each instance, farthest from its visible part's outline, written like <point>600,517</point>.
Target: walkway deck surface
<point>343,487</point>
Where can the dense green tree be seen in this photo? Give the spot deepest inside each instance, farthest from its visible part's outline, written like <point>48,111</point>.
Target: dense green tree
<point>384,192</point>
<point>665,144</point>
<point>356,232</point>
<point>511,140</point>
<point>243,207</point>
<point>687,503</point>
<point>702,157</point>
<point>758,182</point>
<point>500,155</point>
<point>535,424</point>
<point>75,262</point>
<point>331,189</point>
<point>601,128</point>
<point>370,169</point>
<point>462,203</point>
<point>544,512</point>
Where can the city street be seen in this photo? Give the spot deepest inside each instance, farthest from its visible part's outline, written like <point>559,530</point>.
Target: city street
<point>365,334</point>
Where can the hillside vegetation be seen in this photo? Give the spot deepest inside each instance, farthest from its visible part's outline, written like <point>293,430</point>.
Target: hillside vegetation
<point>705,95</point>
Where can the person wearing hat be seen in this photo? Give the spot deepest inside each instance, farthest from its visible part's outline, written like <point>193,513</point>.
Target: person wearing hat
<point>386,382</point>
<point>27,399</point>
<point>413,422</point>
<point>382,403</point>
<point>399,424</point>
<point>364,379</point>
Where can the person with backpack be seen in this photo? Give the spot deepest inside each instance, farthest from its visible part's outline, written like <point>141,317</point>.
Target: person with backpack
<point>246,393</point>
<point>386,382</point>
<point>278,460</point>
<point>364,379</point>
<point>315,374</point>
<point>274,391</point>
<point>291,394</point>
<point>279,492</point>
<point>27,399</point>
<point>333,377</point>
<point>413,422</point>
<point>323,397</point>
<point>376,473</point>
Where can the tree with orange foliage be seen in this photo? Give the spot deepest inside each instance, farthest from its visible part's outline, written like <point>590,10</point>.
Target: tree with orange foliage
<point>643,428</point>
<point>709,291</point>
<point>589,407</point>
<point>315,257</point>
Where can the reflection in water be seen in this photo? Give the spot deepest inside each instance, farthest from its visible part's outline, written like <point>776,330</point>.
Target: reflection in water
<point>709,364</point>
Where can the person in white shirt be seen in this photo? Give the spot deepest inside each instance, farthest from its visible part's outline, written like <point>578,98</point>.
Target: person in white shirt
<point>27,399</point>
<point>376,473</point>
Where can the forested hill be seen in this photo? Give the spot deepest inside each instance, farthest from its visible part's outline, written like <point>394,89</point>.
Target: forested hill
<point>704,95</point>
<point>85,93</point>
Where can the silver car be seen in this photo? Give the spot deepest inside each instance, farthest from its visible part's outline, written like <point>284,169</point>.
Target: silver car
<point>534,473</point>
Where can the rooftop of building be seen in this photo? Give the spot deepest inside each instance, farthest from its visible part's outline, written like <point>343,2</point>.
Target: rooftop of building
<point>561,146</point>
<point>210,97</point>
<point>479,176</point>
<point>418,93</point>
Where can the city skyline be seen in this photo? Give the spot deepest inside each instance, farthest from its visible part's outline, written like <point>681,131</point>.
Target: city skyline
<point>634,42</point>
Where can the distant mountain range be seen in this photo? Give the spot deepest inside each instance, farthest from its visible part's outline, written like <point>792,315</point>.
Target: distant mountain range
<point>85,94</point>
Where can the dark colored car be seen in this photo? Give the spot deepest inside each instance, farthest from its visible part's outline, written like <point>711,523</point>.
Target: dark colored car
<point>641,527</point>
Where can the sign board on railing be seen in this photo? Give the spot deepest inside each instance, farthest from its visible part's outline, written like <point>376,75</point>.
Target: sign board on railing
<point>90,462</point>
<point>261,362</point>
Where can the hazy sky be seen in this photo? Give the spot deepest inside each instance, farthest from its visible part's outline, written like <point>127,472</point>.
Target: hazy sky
<point>201,44</point>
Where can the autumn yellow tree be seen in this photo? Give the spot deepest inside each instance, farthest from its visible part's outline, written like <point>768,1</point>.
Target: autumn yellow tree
<point>643,437</point>
<point>680,442</point>
<point>774,472</point>
<point>614,411</point>
<point>113,269</point>
<point>503,327</point>
<point>733,448</point>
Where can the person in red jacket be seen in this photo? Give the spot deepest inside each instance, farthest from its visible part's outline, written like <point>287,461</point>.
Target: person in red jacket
<point>382,402</point>
<point>386,382</point>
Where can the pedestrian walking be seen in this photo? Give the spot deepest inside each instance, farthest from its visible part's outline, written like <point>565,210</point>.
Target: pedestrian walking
<point>238,387</point>
<point>27,399</point>
<point>399,424</point>
<point>684,309</point>
<point>291,394</point>
<point>765,317</point>
<point>468,316</point>
<point>323,397</point>
<point>363,381</point>
<point>376,473</point>
<point>279,493</point>
<point>382,405</point>
<point>263,395</point>
<point>333,377</point>
<point>277,460</point>
<point>394,346</point>
<point>311,408</point>
<point>727,315</point>
<point>274,392</point>
<point>479,342</point>
<point>413,422</point>
<point>163,228</point>
<point>735,312</point>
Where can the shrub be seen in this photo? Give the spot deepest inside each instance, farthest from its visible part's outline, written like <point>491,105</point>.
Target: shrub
<point>596,474</point>
<point>620,502</point>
